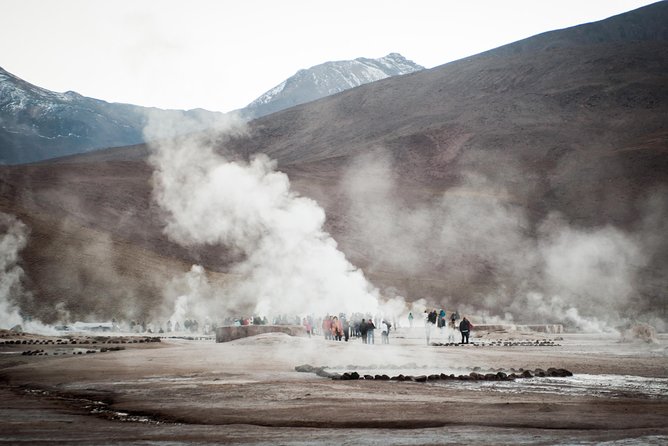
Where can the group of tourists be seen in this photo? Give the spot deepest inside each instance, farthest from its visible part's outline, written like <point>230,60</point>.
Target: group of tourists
<point>440,320</point>
<point>364,327</point>
<point>358,326</point>
<point>342,328</point>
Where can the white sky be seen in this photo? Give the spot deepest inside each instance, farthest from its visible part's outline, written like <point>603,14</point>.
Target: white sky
<point>221,55</point>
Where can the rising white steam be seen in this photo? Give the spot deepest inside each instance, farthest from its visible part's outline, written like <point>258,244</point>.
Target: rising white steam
<point>13,237</point>
<point>476,233</point>
<point>290,264</point>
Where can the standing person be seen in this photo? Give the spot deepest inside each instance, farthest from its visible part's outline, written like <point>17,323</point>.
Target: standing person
<point>429,324</point>
<point>327,327</point>
<point>464,329</point>
<point>337,329</point>
<point>410,319</point>
<point>307,326</point>
<point>385,335</point>
<point>370,327</point>
<point>441,320</point>
<point>363,330</point>
<point>451,330</point>
<point>346,328</point>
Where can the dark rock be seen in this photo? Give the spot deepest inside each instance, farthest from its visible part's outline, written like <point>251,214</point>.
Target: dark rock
<point>354,375</point>
<point>501,376</point>
<point>527,374</point>
<point>420,379</point>
<point>371,377</point>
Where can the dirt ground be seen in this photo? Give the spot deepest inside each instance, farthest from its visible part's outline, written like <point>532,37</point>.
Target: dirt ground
<point>181,391</point>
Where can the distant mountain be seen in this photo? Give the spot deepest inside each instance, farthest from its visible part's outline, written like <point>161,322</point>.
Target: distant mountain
<point>38,124</point>
<point>327,79</point>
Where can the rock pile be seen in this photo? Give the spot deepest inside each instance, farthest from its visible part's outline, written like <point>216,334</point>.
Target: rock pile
<point>473,376</point>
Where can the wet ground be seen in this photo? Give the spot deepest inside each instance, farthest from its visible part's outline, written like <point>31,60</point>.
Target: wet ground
<point>181,391</point>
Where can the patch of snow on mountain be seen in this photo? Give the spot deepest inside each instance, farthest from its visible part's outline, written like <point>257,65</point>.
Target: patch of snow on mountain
<point>269,95</point>
<point>327,79</point>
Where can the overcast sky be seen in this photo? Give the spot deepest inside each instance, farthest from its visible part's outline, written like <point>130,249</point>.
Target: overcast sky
<point>220,55</point>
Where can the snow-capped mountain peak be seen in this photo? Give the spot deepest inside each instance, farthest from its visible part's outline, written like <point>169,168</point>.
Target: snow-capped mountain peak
<point>326,79</point>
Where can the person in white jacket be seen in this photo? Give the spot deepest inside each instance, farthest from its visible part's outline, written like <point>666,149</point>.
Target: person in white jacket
<point>385,334</point>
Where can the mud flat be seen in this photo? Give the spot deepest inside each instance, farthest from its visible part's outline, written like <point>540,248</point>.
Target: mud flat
<point>248,391</point>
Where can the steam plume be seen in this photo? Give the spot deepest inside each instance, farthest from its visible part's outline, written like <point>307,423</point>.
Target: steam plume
<point>482,242</point>
<point>290,264</point>
<point>12,240</point>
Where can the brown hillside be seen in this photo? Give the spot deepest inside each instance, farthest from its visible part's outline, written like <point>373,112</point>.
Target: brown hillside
<point>572,121</point>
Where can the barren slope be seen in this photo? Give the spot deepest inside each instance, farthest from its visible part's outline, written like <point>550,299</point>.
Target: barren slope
<point>559,122</point>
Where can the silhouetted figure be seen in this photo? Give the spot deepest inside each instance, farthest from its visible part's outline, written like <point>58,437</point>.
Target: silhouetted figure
<point>464,329</point>
<point>363,330</point>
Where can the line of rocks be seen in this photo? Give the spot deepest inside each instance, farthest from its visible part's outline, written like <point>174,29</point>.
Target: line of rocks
<point>473,376</point>
<point>78,352</point>
<point>533,343</point>
<point>59,342</point>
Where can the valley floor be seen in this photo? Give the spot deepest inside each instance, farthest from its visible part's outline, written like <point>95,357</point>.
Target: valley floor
<point>247,391</point>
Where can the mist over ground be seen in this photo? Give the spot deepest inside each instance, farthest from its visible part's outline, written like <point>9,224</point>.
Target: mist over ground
<point>13,234</point>
<point>545,271</point>
<point>474,233</point>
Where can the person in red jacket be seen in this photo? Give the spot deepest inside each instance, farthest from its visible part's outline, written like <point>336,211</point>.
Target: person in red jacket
<point>337,329</point>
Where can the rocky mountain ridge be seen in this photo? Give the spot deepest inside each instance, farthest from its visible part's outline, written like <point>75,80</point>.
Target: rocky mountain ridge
<point>38,124</point>
<point>327,79</point>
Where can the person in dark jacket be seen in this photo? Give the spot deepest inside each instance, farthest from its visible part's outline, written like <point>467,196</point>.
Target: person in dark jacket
<point>464,329</point>
<point>363,329</point>
<point>370,327</point>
